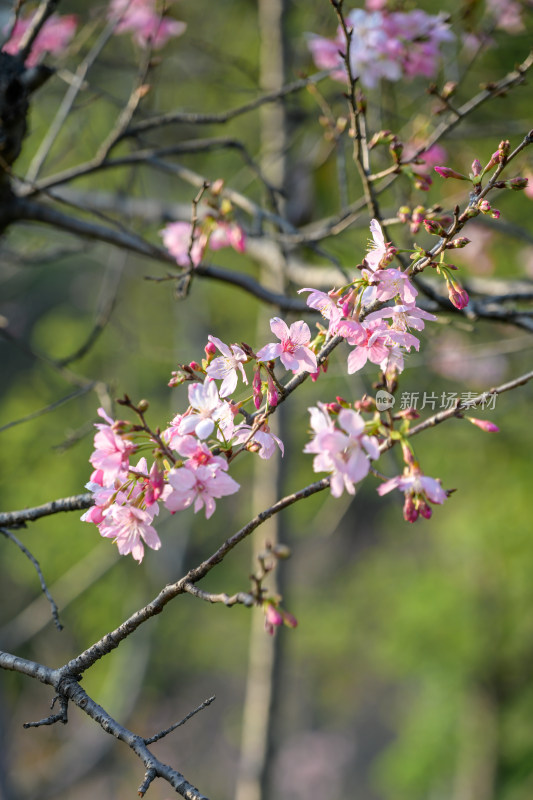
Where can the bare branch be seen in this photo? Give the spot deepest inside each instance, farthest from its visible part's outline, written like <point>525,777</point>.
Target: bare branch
<point>193,118</point>
<point>185,719</point>
<point>45,10</point>
<point>12,519</point>
<point>55,612</point>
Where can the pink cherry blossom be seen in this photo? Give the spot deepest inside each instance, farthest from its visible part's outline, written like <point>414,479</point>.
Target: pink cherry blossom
<point>206,409</point>
<point>227,234</point>
<point>111,450</point>
<point>343,453</point>
<point>326,305</point>
<point>393,283</point>
<point>384,45</point>
<point>371,340</point>
<point>418,489</point>
<point>177,240</point>
<point>293,350</point>
<point>141,18</point>
<point>54,37</point>
<point>276,616</point>
<point>225,366</point>
<point>199,487</point>
<point>404,316</point>
<point>263,438</point>
<point>378,247</point>
<point>198,454</point>
<point>130,527</point>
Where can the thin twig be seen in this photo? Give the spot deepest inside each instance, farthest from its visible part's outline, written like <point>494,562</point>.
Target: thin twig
<point>55,611</point>
<point>185,719</point>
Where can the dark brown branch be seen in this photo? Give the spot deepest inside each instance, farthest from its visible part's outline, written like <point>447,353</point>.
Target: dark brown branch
<point>78,502</point>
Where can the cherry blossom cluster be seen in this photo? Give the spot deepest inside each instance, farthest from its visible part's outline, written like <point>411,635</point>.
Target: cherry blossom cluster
<point>140,18</point>
<point>54,37</point>
<point>384,44</point>
<point>146,25</point>
<point>187,242</point>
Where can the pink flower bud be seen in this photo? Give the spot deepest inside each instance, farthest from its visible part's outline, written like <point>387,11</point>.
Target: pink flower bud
<point>408,413</point>
<point>424,509</point>
<point>448,172</point>
<point>272,393</point>
<point>273,618</point>
<point>477,169</point>
<point>422,182</point>
<point>195,365</point>
<point>289,620</point>
<point>210,350</point>
<point>484,424</point>
<point>434,227</point>
<point>516,184</point>
<point>456,244</point>
<point>404,213</point>
<point>410,512</point>
<point>457,294</point>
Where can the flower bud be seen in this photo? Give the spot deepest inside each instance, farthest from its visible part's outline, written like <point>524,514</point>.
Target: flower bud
<point>484,424</point>
<point>210,350</point>
<point>396,149</point>
<point>434,227</point>
<point>456,244</point>
<point>257,388</point>
<point>516,184</point>
<point>410,512</point>
<point>457,294</point>
<point>408,413</point>
<point>404,213</point>
<point>281,551</point>
<point>424,509</point>
<point>365,404</point>
<point>195,366</point>
<point>422,182</point>
<point>477,169</point>
<point>381,137</point>
<point>448,172</point>
<point>272,393</point>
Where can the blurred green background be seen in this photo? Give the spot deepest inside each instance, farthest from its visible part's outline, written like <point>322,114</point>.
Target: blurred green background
<point>409,676</point>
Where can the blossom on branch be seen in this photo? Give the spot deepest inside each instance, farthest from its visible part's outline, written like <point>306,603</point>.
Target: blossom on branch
<point>384,45</point>
<point>293,350</point>
<point>225,367</point>
<point>198,487</point>
<point>344,453</point>
<point>54,37</point>
<point>418,489</point>
<point>177,240</point>
<point>144,22</point>
<point>111,450</point>
<point>131,529</point>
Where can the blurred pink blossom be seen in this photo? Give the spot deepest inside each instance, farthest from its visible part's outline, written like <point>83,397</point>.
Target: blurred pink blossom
<point>141,18</point>
<point>384,45</point>
<point>177,240</point>
<point>54,37</point>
